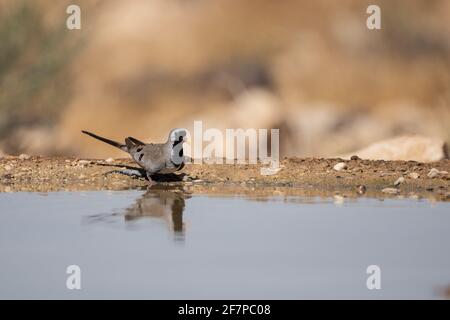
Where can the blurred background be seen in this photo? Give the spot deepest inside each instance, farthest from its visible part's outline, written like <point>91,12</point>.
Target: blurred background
<point>139,68</point>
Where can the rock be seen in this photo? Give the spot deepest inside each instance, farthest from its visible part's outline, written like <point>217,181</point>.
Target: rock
<point>109,160</point>
<point>417,148</point>
<point>24,156</point>
<point>83,162</point>
<point>340,166</point>
<point>8,167</point>
<point>414,175</point>
<point>399,181</point>
<point>361,189</point>
<point>390,190</point>
<point>269,171</point>
<point>433,173</point>
<point>354,157</point>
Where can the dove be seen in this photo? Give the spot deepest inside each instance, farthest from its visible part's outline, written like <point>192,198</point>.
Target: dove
<point>154,158</point>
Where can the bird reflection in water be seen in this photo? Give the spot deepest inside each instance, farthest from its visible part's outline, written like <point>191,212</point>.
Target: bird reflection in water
<point>161,202</point>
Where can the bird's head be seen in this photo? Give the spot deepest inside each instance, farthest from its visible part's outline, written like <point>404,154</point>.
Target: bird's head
<point>177,136</point>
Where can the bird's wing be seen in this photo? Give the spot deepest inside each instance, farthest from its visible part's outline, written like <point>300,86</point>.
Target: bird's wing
<point>154,158</point>
<point>130,145</point>
<point>136,141</point>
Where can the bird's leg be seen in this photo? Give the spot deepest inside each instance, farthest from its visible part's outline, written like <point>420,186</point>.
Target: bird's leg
<point>149,177</point>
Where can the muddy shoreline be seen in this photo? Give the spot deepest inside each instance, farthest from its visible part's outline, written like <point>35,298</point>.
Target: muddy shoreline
<point>298,177</point>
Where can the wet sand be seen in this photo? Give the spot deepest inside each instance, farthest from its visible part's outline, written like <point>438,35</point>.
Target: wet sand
<point>298,177</point>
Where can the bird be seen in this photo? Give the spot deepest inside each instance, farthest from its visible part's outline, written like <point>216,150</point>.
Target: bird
<point>154,158</point>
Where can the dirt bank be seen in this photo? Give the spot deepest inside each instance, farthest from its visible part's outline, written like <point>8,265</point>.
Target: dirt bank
<point>308,177</point>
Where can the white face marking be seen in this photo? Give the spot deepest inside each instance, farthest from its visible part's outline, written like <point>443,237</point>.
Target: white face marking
<point>175,134</point>
<point>175,152</point>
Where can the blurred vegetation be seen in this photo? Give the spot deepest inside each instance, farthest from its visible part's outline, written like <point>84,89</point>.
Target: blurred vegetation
<point>34,60</point>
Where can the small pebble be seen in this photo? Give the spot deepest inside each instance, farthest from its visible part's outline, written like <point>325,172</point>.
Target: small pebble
<point>414,175</point>
<point>340,166</point>
<point>24,156</point>
<point>109,160</point>
<point>361,189</point>
<point>8,167</point>
<point>433,173</point>
<point>399,181</point>
<point>83,162</point>
<point>390,190</point>
<point>269,171</point>
<point>355,157</point>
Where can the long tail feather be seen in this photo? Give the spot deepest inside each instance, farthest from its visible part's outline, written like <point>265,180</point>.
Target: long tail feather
<point>111,142</point>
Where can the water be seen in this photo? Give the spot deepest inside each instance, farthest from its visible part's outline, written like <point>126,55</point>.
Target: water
<point>164,244</point>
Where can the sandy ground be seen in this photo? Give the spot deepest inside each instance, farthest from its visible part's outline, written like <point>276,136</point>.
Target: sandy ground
<point>298,177</point>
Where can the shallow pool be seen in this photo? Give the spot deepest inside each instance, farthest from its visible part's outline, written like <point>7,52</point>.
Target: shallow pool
<point>166,244</point>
